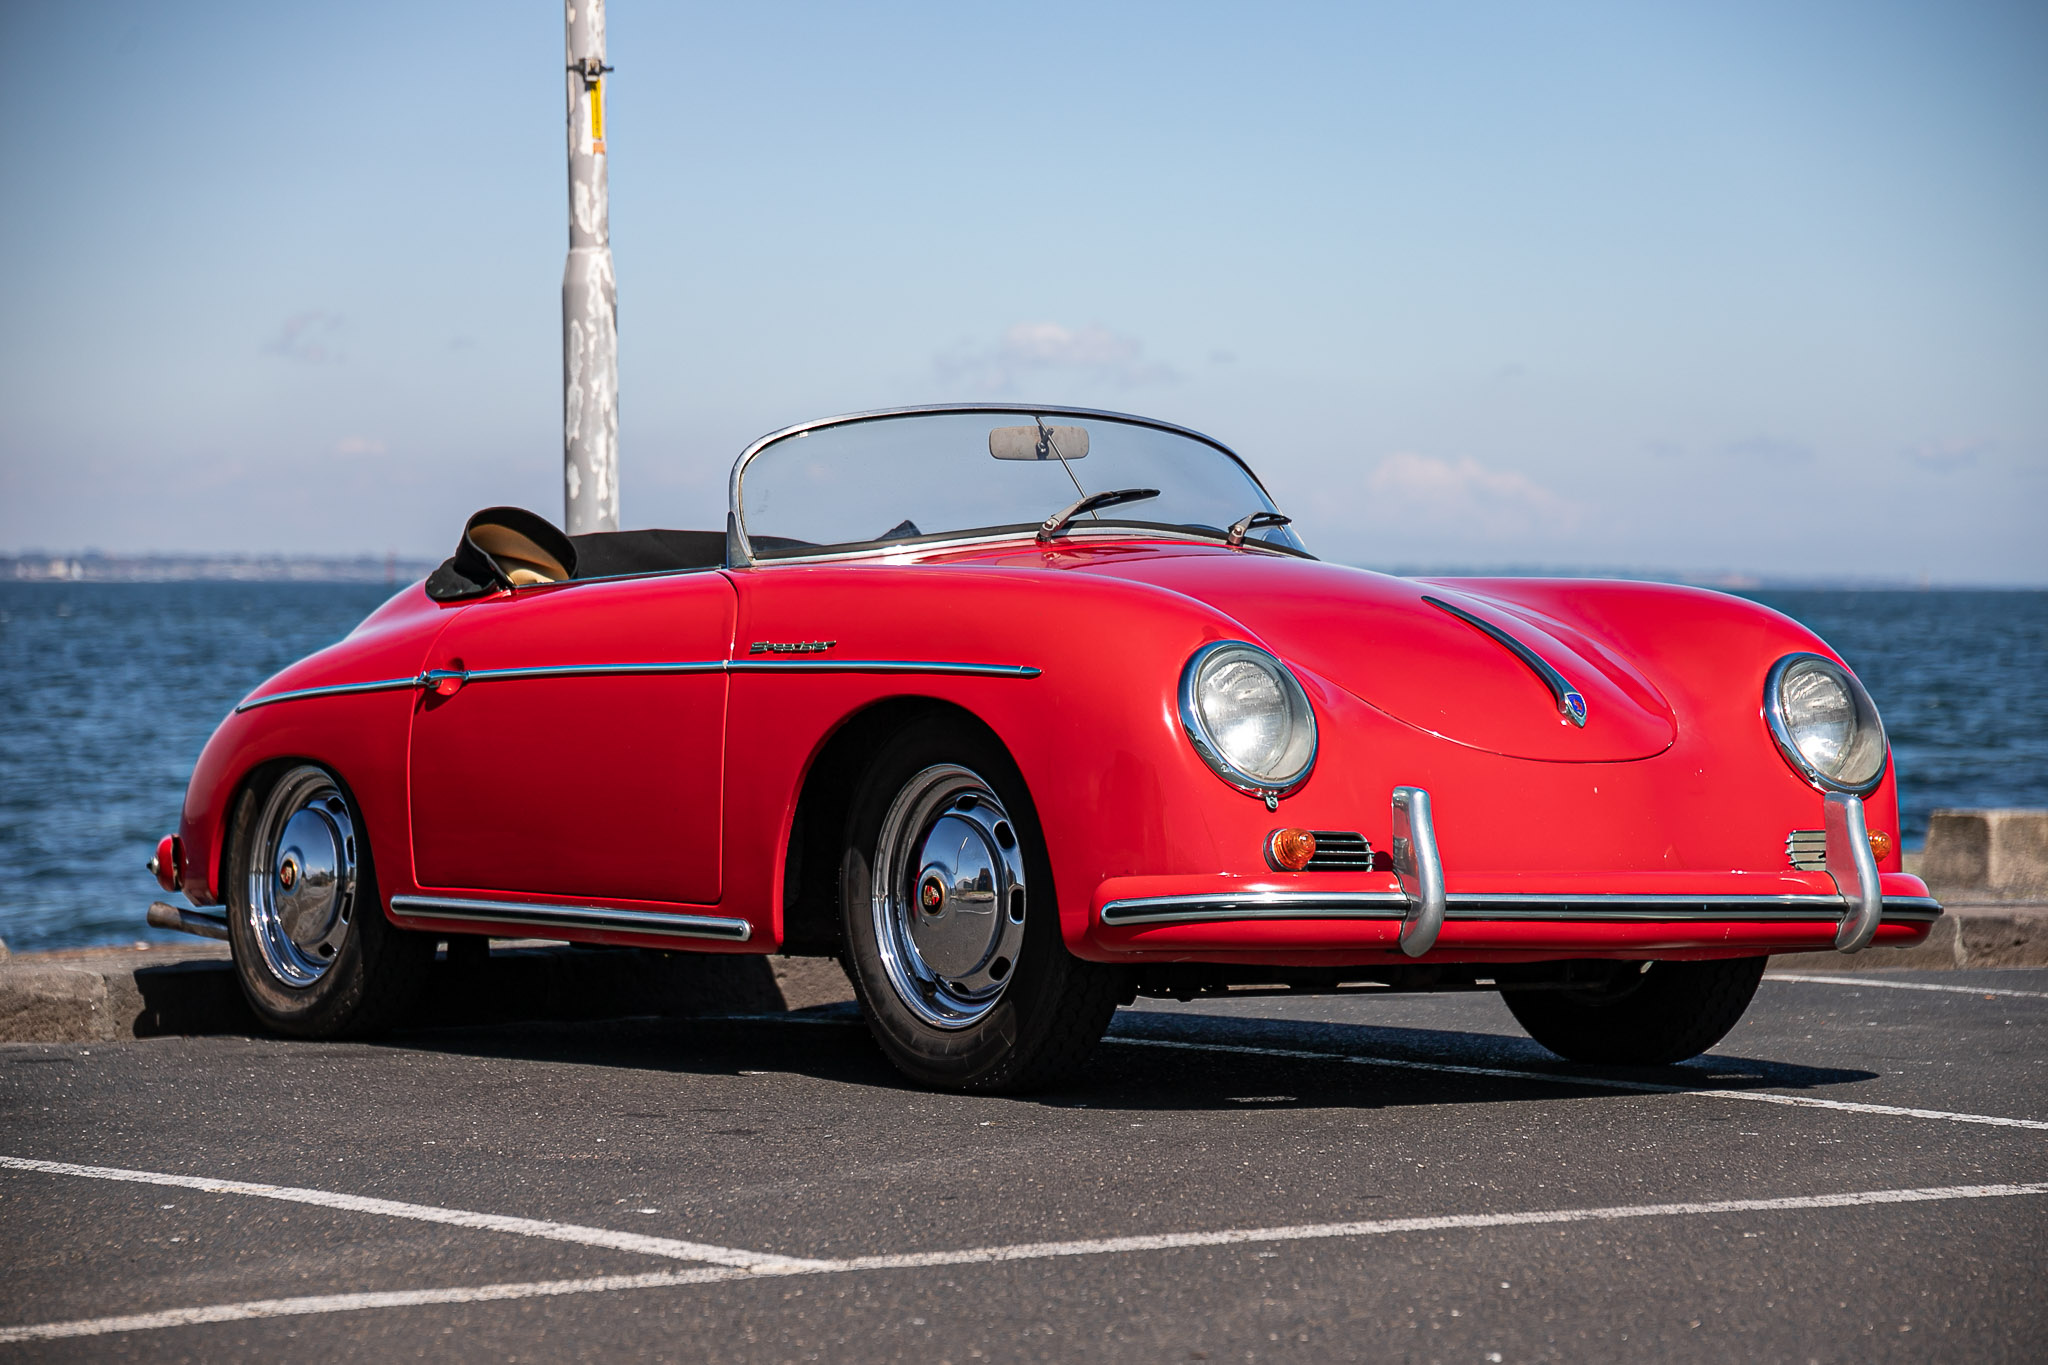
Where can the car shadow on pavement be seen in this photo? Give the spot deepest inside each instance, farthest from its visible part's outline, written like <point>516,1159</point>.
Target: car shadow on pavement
<point>1178,1061</point>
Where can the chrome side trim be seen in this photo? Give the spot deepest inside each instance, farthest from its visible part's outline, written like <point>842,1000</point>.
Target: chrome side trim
<point>1021,671</point>
<point>533,915</point>
<point>1419,869</point>
<point>338,690</point>
<point>583,671</point>
<point>1853,867</point>
<point>1593,909</point>
<point>1570,703</point>
<point>463,677</point>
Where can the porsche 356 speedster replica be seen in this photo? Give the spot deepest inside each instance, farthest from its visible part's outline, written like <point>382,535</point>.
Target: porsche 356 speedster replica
<point>1025,712</point>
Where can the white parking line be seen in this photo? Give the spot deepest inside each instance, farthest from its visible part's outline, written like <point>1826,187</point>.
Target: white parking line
<point>1602,1082</point>
<point>1832,980</point>
<point>1029,1251</point>
<point>425,1213</point>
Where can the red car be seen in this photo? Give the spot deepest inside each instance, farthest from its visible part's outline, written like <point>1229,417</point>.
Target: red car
<point>1024,712</point>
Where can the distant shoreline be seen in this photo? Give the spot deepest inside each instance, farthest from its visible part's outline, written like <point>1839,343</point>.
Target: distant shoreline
<point>169,568</point>
<point>97,567</point>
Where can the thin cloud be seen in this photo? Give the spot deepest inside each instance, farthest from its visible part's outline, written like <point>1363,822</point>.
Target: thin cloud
<point>1946,457</point>
<point>308,338</point>
<point>1769,450</point>
<point>1463,493</point>
<point>1088,355</point>
<point>359,445</point>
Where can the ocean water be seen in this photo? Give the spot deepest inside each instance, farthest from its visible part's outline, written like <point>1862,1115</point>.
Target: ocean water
<point>108,691</point>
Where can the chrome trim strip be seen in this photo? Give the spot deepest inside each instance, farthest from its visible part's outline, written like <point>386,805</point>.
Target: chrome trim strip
<point>1571,704</point>
<point>1635,912</point>
<point>1419,869</point>
<point>1258,905</point>
<point>1385,905</point>
<point>740,551</point>
<point>338,690</point>
<point>1853,868</point>
<point>434,676</point>
<point>881,666</point>
<point>532,915</point>
<point>585,671</point>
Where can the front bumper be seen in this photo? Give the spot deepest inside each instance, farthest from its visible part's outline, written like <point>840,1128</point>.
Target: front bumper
<point>1421,913</point>
<point>1232,920</point>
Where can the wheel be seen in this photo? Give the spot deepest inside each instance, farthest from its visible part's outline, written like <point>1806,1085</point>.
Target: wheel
<point>952,934</point>
<point>1654,1016</point>
<point>313,951</point>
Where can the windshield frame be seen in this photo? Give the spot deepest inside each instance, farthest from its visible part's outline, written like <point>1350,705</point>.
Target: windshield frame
<point>739,552</point>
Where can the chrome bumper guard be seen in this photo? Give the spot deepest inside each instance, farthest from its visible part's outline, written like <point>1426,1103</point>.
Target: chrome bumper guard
<point>1854,870</point>
<point>1420,870</point>
<point>1422,906</point>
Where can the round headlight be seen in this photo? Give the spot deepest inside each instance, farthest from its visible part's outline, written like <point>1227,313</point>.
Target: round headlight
<point>1248,718</point>
<point>1825,723</point>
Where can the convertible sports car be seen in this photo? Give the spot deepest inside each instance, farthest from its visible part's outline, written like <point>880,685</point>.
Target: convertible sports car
<point>1024,712</point>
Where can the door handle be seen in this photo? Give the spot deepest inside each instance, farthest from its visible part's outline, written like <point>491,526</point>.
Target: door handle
<point>444,682</point>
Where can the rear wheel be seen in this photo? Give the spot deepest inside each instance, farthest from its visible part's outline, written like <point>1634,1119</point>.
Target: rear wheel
<point>313,952</point>
<point>1655,1016</point>
<point>952,935</point>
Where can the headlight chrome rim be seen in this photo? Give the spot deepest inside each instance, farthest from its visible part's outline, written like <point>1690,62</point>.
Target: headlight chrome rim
<point>1205,742</point>
<point>1781,728</point>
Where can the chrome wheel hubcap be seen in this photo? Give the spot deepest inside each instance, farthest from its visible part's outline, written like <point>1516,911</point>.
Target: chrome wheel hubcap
<point>302,877</point>
<point>948,896</point>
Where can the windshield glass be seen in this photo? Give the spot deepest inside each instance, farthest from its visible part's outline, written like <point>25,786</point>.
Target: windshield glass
<point>930,476</point>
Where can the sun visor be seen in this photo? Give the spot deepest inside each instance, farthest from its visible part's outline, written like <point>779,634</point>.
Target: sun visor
<point>503,547</point>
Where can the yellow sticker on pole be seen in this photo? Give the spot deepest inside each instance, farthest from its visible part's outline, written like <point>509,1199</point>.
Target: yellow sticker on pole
<point>597,118</point>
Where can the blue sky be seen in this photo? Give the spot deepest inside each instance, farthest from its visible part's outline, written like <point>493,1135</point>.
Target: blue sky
<point>1747,287</point>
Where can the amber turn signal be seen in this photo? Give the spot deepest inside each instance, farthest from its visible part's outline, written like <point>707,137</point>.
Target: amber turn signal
<point>1880,845</point>
<point>1290,849</point>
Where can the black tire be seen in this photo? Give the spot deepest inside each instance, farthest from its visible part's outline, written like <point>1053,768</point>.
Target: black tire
<point>1666,1014</point>
<point>1049,1008</point>
<point>353,972</point>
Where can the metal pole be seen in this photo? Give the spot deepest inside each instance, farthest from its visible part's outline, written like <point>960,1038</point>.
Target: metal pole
<point>590,302</point>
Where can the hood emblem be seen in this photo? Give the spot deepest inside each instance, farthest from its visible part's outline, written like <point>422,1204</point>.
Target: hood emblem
<point>1571,704</point>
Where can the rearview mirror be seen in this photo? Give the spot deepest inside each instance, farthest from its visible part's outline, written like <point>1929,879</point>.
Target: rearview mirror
<point>1036,442</point>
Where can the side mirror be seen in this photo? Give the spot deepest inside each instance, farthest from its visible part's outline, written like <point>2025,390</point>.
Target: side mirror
<point>1038,443</point>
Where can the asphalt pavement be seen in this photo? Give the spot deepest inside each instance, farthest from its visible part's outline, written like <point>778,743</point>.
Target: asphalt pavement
<point>1860,1171</point>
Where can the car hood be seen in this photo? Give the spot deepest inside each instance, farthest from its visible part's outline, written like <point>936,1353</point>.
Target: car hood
<point>1377,638</point>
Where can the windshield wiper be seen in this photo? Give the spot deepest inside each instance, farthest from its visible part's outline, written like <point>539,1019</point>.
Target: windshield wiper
<point>1057,522</point>
<point>1245,525</point>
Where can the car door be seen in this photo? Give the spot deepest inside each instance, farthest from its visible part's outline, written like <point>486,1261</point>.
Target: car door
<point>571,744</point>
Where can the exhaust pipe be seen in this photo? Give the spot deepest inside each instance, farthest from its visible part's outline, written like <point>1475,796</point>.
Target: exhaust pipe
<point>166,916</point>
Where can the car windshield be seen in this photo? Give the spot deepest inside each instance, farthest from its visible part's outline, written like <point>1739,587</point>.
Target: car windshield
<point>872,482</point>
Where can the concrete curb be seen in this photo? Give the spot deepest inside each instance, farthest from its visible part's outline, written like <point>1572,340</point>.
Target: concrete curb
<point>1989,934</point>
<point>107,994</point>
<point>101,995</point>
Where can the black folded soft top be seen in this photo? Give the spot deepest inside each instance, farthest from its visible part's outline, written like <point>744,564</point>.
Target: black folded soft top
<point>503,547</point>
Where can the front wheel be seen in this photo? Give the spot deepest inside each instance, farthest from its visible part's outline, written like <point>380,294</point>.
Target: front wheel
<point>952,935</point>
<point>1659,1014</point>
<point>313,952</point>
